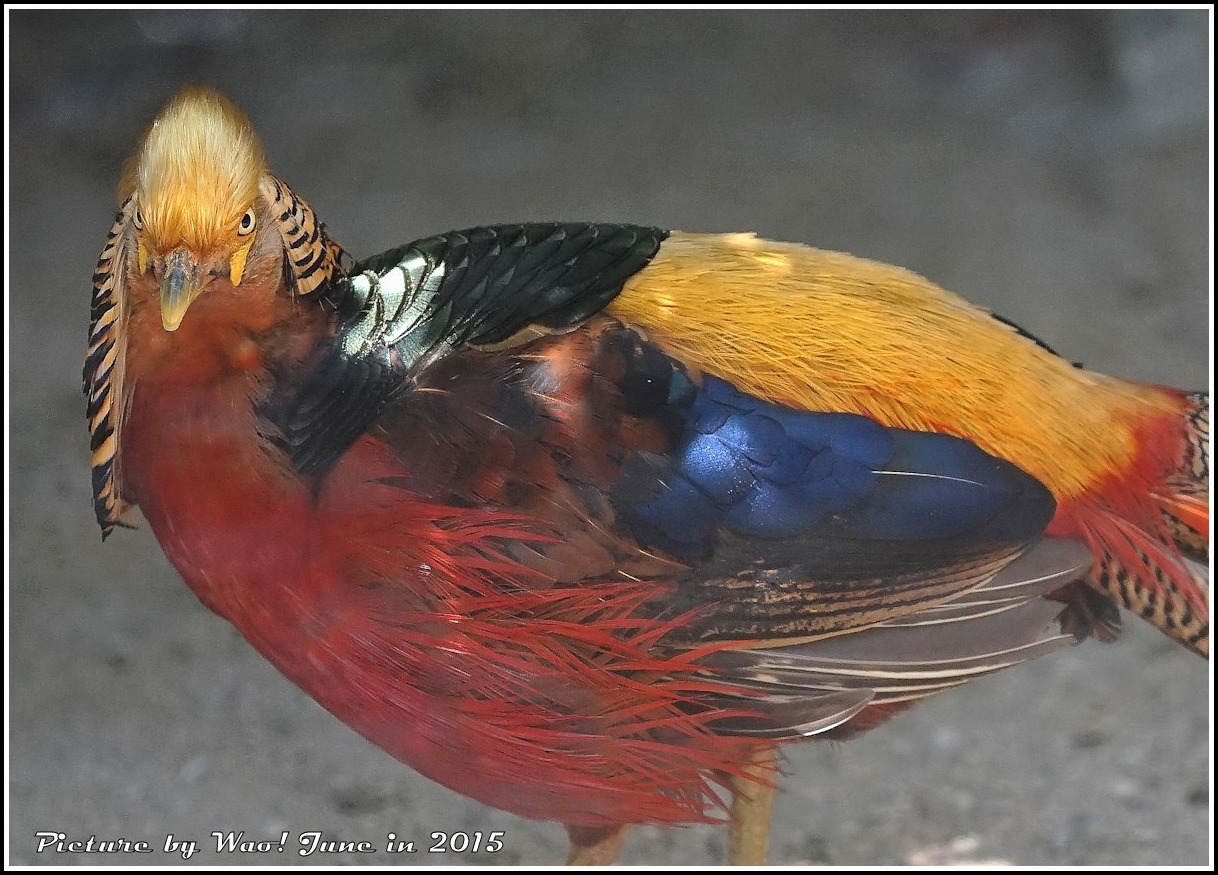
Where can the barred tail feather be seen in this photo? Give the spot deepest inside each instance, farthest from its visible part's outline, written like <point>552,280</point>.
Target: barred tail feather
<point>1185,499</point>
<point>1151,579</point>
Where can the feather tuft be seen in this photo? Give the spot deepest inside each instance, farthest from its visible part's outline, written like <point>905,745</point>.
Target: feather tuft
<point>196,172</point>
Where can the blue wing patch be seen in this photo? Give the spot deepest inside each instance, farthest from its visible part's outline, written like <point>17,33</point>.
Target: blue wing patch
<point>760,470</point>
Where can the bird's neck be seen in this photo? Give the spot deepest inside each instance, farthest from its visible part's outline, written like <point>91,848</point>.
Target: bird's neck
<point>227,334</point>
<point>193,452</point>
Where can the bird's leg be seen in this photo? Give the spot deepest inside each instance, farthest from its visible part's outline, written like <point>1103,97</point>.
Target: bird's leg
<point>595,845</point>
<point>748,832</point>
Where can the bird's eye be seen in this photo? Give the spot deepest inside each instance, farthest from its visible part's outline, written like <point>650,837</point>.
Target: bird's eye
<point>247,223</point>
<point>138,218</point>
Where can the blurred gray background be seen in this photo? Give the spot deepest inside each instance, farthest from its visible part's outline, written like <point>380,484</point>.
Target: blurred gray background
<point>1050,166</point>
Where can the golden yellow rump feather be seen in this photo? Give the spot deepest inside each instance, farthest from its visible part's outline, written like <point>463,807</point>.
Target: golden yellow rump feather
<point>828,331</point>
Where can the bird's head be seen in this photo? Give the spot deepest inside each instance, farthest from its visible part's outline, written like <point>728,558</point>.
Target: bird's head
<point>203,226</point>
<point>197,208</point>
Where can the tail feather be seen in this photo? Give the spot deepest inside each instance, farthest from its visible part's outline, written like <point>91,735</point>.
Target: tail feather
<point>1151,579</point>
<point>1187,521</point>
<point>1185,499</point>
<point>1196,464</point>
<point>1149,529</point>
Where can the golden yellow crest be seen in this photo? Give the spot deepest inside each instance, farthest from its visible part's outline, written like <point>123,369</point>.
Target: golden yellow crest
<point>196,172</point>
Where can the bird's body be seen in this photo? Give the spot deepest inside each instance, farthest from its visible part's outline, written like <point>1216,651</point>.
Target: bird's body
<point>573,518</point>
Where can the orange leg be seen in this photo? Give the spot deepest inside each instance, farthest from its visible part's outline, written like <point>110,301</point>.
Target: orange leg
<point>748,836</point>
<point>595,845</point>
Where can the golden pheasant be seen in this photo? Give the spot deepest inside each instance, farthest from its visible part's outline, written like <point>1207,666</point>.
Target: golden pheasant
<point>581,520</point>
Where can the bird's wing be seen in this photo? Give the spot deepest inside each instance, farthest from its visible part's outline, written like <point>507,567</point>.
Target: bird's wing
<point>473,337</point>
<point>483,360</point>
<point>487,287</point>
<point>809,688</point>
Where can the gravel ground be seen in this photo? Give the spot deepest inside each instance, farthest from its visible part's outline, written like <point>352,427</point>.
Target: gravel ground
<point>1052,167</point>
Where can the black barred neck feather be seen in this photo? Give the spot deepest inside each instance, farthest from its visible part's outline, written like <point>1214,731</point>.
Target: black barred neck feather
<point>312,257</point>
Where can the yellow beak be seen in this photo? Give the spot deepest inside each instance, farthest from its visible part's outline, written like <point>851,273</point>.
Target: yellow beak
<point>179,287</point>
